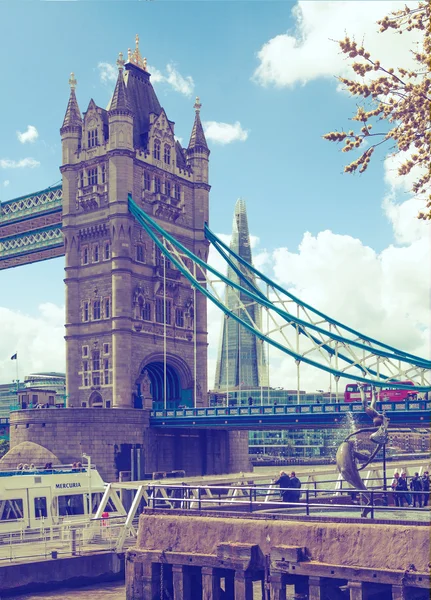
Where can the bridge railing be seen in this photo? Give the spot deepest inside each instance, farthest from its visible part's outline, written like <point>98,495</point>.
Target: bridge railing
<point>288,409</point>
<point>33,204</point>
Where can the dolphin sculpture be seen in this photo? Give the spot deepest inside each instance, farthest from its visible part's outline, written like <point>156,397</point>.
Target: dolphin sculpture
<point>347,464</point>
<point>347,457</point>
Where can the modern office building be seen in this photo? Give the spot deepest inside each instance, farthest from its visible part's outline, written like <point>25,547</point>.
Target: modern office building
<point>241,359</point>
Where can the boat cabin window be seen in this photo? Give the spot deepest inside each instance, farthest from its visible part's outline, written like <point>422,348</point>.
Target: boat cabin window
<point>70,505</point>
<point>96,499</point>
<point>11,509</point>
<point>40,509</point>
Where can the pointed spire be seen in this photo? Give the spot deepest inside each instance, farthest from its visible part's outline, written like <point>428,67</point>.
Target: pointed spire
<point>135,57</point>
<point>120,101</point>
<point>197,137</point>
<point>72,118</point>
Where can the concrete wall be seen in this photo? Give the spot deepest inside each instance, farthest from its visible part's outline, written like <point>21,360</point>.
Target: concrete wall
<point>370,545</point>
<point>69,572</point>
<point>108,435</point>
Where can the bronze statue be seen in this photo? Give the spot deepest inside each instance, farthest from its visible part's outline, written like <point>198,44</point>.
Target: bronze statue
<point>347,457</point>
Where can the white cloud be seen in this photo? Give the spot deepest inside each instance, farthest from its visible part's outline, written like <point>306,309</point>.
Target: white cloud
<point>6,163</point>
<point>384,295</point>
<point>29,136</point>
<point>108,73</point>
<point>6,182</point>
<point>179,83</point>
<point>224,133</point>
<point>38,340</point>
<point>183,85</point>
<point>309,53</point>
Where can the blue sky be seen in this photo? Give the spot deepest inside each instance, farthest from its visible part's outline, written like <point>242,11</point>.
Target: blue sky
<point>291,179</point>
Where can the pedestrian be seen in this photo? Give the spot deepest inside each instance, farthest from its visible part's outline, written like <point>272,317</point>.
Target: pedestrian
<point>296,484</point>
<point>250,401</point>
<point>403,487</point>
<point>426,487</point>
<point>284,482</point>
<point>398,485</point>
<point>416,486</point>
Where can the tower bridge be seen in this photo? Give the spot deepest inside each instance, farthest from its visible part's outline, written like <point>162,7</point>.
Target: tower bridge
<point>131,218</point>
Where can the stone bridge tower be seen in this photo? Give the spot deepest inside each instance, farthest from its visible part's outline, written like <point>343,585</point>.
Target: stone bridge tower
<point>119,292</point>
<point>122,297</point>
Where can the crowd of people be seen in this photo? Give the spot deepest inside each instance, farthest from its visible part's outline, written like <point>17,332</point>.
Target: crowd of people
<point>415,492</point>
<point>417,485</point>
<point>289,486</point>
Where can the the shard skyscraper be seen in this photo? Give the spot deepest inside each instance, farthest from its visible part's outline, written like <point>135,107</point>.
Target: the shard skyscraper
<point>241,358</point>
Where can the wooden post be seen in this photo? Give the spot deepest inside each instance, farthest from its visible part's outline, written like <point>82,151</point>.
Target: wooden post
<point>278,587</point>
<point>243,586</point>
<point>210,584</point>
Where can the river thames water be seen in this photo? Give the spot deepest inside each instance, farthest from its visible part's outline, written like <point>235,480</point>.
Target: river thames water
<point>106,591</point>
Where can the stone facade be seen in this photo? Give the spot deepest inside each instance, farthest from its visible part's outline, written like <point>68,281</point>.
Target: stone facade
<point>123,299</point>
<point>108,436</point>
<point>136,332</point>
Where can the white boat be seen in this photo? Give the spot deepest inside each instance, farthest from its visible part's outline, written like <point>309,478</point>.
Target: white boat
<point>35,497</point>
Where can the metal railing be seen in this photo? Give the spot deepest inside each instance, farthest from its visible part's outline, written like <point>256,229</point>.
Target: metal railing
<point>69,538</point>
<point>287,409</point>
<point>266,500</point>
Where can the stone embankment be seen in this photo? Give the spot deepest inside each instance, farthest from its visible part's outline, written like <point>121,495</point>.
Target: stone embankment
<point>195,556</point>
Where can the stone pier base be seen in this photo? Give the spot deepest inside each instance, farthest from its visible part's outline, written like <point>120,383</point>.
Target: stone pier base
<point>250,558</point>
<point>108,436</point>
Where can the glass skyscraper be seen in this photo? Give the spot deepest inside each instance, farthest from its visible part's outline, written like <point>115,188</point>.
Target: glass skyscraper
<point>241,358</point>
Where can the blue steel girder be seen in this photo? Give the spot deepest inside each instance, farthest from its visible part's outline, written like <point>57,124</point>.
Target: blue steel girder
<point>30,228</point>
<point>309,337</point>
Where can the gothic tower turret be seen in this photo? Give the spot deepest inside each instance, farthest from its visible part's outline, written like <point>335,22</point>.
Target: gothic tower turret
<point>198,155</point>
<point>71,130</point>
<point>134,326</point>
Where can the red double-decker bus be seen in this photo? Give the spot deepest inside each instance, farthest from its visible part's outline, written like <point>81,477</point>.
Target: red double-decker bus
<point>385,394</point>
<point>393,394</point>
<point>352,393</point>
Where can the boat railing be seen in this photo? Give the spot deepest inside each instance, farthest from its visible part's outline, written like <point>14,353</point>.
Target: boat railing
<point>26,469</point>
<point>69,538</point>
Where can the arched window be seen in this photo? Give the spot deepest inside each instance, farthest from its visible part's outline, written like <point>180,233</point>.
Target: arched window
<point>92,176</point>
<point>92,138</point>
<point>147,181</point>
<point>96,310</point>
<point>144,309</point>
<point>157,185</point>
<point>140,253</point>
<point>160,311</point>
<point>167,154</point>
<point>179,317</point>
<point>96,360</point>
<point>156,150</point>
<point>161,259</point>
<point>86,312</point>
<point>96,400</point>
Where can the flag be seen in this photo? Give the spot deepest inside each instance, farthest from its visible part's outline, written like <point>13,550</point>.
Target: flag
<point>15,356</point>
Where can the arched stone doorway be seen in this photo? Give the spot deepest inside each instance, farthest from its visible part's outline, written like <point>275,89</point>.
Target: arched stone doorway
<point>179,384</point>
<point>95,400</point>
